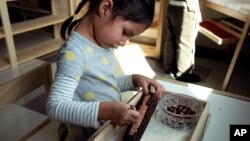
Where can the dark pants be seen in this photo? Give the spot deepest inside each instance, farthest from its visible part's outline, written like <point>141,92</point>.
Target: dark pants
<point>74,133</point>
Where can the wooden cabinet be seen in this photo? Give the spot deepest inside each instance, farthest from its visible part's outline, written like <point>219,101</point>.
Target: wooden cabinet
<point>11,52</point>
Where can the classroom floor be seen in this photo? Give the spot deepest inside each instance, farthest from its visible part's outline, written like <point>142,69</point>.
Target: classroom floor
<point>212,75</point>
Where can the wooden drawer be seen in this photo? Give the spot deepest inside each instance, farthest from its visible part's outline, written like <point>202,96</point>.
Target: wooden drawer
<point>218,33</point>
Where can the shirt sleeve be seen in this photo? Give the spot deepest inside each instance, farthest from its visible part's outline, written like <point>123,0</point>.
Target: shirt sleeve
<point>124,83</point>
<point>70,61</point>
<point>61,107</point>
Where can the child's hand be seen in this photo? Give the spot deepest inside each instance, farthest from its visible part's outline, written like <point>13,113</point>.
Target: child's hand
<point>145,82</point>
<point>119,113</point>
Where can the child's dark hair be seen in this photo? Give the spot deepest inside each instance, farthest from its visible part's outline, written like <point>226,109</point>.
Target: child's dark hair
<point>139,11</point>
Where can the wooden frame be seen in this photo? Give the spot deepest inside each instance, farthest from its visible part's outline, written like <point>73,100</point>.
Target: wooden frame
<point>8,35</point>
<point>110,132</point>
<point>238,37</point>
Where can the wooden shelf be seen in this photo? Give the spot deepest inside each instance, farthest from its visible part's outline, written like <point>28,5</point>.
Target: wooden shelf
<point>37,23</point>
<point>4,62</point>
<point>15,54</point>
<point>33,24</point>
<point>30,9</point>
<point>31,52</point>
<point>11,0</point>
<point>38,50</point>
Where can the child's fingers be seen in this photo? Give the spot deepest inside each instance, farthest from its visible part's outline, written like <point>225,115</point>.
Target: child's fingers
<point>133,115</point>
<point>159,89</point>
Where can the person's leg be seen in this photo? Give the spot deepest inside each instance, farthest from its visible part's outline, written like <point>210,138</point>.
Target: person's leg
<point>185,41</point>
<point>169,46</point>
<point>185,32</point>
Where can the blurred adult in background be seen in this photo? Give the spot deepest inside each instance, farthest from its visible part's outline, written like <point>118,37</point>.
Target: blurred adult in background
<point>183,17</point>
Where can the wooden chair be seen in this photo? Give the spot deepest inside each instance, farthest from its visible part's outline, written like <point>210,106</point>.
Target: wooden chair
<point>223,34</point>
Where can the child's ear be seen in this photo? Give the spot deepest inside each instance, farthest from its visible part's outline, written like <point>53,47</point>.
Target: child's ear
<point>105,7</point>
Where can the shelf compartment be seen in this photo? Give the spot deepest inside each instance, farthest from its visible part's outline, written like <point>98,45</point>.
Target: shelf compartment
<point>36,23</point>
<point>4,63</point>
<point>30,9</point>
<point>38,50</point>
<point>218,33</point>
<point>33,24</point>
<point>30,52</point>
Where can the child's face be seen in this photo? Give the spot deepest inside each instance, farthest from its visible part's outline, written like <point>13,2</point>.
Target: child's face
<point>115,32</point>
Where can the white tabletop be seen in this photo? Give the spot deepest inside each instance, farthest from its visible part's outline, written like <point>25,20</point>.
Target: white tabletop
<point>224,110</point>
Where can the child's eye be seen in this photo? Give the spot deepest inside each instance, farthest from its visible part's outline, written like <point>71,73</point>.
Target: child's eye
<point>125,33</point>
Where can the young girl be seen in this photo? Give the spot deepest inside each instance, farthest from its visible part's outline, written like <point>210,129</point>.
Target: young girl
<point>86,91</point>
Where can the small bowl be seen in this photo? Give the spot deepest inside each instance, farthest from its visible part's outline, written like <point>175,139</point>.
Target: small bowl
<point>178,111</point>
